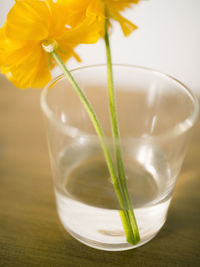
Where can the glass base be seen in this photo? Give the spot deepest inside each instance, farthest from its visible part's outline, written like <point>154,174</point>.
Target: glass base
<point>109,246</point>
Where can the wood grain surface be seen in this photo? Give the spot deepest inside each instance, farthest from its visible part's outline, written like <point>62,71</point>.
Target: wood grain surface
<point>30,232</point>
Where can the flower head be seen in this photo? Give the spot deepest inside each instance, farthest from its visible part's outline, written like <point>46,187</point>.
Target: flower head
<point>30,25</point>
<point>102,8</point>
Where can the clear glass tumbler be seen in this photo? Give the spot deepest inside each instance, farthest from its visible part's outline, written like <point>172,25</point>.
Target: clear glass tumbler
<point>156,114</point>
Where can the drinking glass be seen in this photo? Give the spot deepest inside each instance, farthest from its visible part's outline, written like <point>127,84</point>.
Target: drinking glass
<point>156,114</point>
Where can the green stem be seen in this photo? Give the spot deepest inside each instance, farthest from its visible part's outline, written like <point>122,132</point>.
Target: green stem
<point>116,137</point>
<point>124,213</point>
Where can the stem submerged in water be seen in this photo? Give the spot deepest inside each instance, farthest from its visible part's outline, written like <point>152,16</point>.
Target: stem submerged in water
<point>125,212</point>
<point>119,182</point>
<point>127,216</point>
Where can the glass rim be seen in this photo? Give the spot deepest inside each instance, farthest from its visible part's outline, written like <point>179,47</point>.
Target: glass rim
<point>73,131</point>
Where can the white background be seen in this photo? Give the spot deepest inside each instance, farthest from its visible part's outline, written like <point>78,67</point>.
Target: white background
<point>168,39</point>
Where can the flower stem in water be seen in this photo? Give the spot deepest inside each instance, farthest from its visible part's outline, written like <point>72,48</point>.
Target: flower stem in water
<point>129,221</point>
<point>126,212</point>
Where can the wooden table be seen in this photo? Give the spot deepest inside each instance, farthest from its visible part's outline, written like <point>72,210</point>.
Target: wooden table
<point>30,232</point>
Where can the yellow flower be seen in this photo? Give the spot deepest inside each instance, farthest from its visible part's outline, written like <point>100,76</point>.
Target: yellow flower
<point>29,24</point>
<point>114,8</point>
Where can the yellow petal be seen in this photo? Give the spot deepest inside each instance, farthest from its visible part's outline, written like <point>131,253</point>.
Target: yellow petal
<point>86,32</point>
<point>114,9</point>
<point>7,46</point>
<point>59,19</point>
<point>121,4</point>
<point>32,70</point>
<point>127,26</point>
<point>87,21</point>
<point>28,20</point>
<point>79,9</point>
<point>66,53</point>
